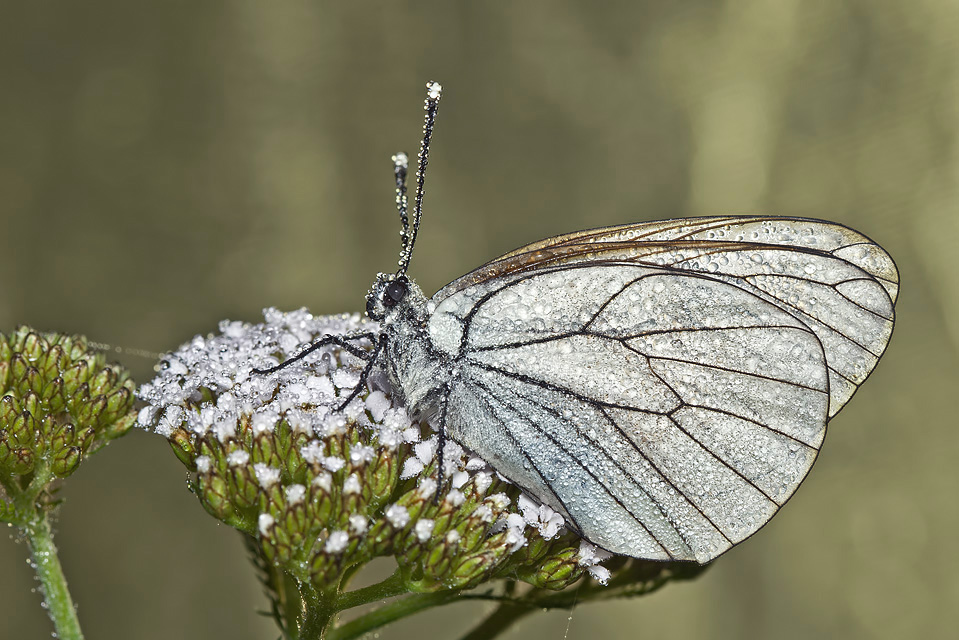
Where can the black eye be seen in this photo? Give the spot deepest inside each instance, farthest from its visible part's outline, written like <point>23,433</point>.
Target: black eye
<point>395,291</point>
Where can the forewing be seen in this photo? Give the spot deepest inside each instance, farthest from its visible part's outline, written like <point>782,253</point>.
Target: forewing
<point>666,414</point>
<point>833,280</point>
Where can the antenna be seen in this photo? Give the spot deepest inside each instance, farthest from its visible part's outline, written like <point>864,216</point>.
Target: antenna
<point>433,93</point>
<point>401,164</point>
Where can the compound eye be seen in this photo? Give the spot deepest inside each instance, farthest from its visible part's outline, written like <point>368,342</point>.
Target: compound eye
<point>395,291</point>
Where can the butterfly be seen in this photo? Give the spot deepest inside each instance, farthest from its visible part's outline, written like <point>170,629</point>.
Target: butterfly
<point>665,386</point>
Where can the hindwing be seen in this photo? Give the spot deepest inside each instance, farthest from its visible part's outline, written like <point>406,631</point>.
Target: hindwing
<point>665,407</point>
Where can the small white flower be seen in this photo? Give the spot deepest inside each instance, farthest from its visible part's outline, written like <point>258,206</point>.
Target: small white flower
<point>237,458</point>
<point>411,467</point>
<point>424,451</point>
<point>295,493</point>
<point>324,481</point>
<point>361,453</point>
<point>346,379</point>
<point>483,513</point>
<point>589,558</point>
<point>359,524</point>
<point>224,429</point>
<point>459,479</point>
<point>398,420</point>
<point>427,487</point>
<point>145,416</point>
<point>266,475</point>
<point>600,574</point>
<point>398,516</point>
<point>203,464</point>
<point>170,421</point>
<point>264,523</point>
<point>378,404</point>
<point>313,452</point>
<point>264,422</point>
<point>482,482</point>
<point>423,529</point>
<point>475,464</point>
<point>233,329</point>
<point>499,500</point>
<point>547,522</point>
<point>515,526</point>
<point>337,542</point>
<point>352,485</point>
<point>334,464</point>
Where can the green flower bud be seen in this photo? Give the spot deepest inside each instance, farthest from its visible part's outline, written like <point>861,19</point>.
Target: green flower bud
<point>24,429</point>
<point>22,461</point>
<point>47,420</point>
<point>103,382</point>
<point>7,450</point>
<point>31,403</point>
<point>214,495</point>
<point>63,436</point>
<point>75,375</point>
<point>33,346</point>
<point>118,404</point>
<point>66,462</point>
<point>86,439</point>
<point>89,412</point>
<point>558,572</point>
<point>18,370</point>
<point>49,363</point>
<point>183,447</point>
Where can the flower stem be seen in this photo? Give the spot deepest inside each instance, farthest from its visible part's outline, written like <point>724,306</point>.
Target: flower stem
<point>391,612</point>
<point>47,565</point>
<point>318,610</point>
<point>392,586</point>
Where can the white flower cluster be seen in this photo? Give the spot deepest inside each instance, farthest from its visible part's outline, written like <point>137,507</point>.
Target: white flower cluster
<point>208,387</point>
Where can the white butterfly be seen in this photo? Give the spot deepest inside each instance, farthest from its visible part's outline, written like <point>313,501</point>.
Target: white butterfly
<point>665,386</point>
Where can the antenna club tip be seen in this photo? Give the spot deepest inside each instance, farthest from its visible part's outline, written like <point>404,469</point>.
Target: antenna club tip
<point>401,160</point>
<point>434,90</point>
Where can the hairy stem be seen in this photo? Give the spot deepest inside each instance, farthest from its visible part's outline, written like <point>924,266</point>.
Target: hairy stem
<point>47,565</point>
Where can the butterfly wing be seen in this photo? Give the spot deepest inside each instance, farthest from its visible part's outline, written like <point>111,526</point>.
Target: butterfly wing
<point>667,412</point>
<point>835,280</point>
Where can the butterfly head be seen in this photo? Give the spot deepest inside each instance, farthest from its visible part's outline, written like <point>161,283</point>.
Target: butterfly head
<point>388,295</point>
<point>392,293</point>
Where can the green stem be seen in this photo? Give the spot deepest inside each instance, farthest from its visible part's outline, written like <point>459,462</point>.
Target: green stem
<point>499,621</point>
<point>389,613</point>
<point>318,613</point>
<point>287,605</point>
<point>47,565</point>
<point>392,586</point>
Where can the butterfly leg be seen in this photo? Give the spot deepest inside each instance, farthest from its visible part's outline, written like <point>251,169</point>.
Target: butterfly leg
<point>371,356</point>
<point>344,342</point>
<point>440,451</point>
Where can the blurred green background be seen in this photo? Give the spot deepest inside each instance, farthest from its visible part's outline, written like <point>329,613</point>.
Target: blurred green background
<point>167,165</point>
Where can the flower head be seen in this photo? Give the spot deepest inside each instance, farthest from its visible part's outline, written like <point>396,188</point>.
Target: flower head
<point>59,403</point>
<point>323,489</point>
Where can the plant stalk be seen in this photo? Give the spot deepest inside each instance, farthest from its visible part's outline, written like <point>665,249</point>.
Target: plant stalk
<point>47,565</point>
<point>389,613</point>
<point>318,613</point>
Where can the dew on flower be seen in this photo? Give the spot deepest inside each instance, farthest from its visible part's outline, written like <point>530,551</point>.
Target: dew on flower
<point>274,457</point>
